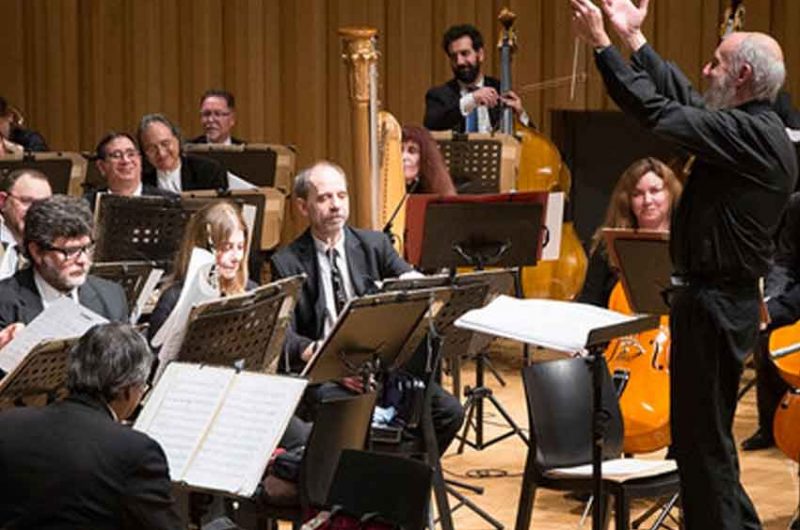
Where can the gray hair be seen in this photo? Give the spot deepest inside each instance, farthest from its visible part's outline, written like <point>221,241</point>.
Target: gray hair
<point>57,216</point>
<point>302,181</point>
<point>149,119</point>
<point>108,359</point>
<point>769,72</point>
<point>7,181</point>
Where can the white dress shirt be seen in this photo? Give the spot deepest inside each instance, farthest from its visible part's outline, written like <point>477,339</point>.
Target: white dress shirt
<point>327,284</point>
<point>170,180</point>
<point>10,259</point>
<point>50,294</point>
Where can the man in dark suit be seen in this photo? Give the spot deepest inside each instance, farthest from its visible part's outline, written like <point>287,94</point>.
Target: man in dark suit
<point>58,241</point>
<point>72,464</point>
<point>340,262</point>
<point>120,162</point>
<point>471,101</point>
<point>18,190</point>
<point>169,168</point>
<point>218,116</point>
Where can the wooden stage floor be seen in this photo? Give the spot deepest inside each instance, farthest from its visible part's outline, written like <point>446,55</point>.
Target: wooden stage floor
<point>770,478</point>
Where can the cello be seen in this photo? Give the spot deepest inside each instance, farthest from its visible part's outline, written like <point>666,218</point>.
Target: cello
<point>541,169</point>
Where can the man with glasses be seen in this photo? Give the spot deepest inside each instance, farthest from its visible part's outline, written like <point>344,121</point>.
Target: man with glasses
<point>218,116</point>
<point>18,190</point>
<point>120,162</point>
<point>58,241</point>
<point>72,464</point>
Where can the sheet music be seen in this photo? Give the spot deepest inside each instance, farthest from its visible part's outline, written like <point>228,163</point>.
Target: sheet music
<point>197,288</point>
<point>144,295</point>
<point>180,410</point>
<point>553,324</point>
<point>619,470</point>
<point>236,182</point>
<point>61,320</point>
<point>247,429</point>
<point>554,221</point>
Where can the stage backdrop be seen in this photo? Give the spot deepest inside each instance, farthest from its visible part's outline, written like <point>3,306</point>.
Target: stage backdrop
<point>78,68</point>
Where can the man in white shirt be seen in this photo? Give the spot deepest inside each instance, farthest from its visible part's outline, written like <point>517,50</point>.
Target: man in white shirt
<point>218,116</point>
<point>471,101</point>
<point>59,242</point>
<point>18,190</point>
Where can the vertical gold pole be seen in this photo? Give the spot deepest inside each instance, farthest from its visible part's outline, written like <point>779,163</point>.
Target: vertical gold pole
<point>359,54</point>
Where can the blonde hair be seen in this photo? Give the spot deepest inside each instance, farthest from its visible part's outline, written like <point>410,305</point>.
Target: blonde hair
<point>210,228</point>
<point>619,213</point>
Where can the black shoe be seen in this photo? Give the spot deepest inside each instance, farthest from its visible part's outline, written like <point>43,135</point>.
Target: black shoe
<point>758,441</point>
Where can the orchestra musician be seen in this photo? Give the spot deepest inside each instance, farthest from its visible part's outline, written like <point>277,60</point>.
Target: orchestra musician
<point>341,262</point>
<point>120,162</point>
<point>471,101</point>
<point>720,238</point>
<point>72,464</point>
<point>424,167</point>
<point>13,136</point>
<point>218,117</point>
<point>18,190</point>
<point>59,242</point>
<point>169,168</point>
<point>643,198</point>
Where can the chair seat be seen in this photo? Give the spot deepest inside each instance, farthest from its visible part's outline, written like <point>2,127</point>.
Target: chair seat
<point>617,470</point>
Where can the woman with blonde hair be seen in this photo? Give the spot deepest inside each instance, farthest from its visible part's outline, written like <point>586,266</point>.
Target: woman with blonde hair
<point>643,199</point>
<point>219,228</point>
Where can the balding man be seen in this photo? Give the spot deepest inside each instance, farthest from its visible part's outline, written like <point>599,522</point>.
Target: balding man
<point>721,233</point>
<point>18,190</point>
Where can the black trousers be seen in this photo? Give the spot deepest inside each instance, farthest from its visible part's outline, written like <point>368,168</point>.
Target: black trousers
<point>770,387</point>
<point>713,328</point>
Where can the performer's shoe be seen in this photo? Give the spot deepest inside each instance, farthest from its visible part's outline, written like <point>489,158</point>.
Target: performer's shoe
<point>759,440</point>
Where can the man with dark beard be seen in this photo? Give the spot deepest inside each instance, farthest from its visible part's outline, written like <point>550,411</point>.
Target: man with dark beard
<point>721,241</point>
<point>471,101</point>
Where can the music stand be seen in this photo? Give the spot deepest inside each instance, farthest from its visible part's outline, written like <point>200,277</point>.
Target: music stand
<point>645,267</point>
<point>375,332</point>
<point>65,172</point>
<point>245,331</point>
<point>43,372</point>
<point>480,162</point>
<point>130,275</point>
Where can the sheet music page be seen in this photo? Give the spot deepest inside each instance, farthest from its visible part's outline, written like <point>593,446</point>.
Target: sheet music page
<point>147,291</point>
<point>62,319</point>
<point>236,182</point>
<point>246,431</point>
<point>620,469</point>
<point>553,324</point>
<point>554,220</point>
<point>180,410</point>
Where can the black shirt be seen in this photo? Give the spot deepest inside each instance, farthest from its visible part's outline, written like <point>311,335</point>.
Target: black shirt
<point>745,168</point>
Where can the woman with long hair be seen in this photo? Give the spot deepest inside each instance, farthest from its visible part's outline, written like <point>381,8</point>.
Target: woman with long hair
<point>423,164</point>
<point>643,199</point>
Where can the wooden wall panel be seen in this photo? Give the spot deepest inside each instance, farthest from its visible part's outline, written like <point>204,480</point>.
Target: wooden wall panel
<point>78,68</point>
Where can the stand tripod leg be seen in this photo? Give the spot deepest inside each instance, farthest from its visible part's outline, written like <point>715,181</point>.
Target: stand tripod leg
<point>464,501</point>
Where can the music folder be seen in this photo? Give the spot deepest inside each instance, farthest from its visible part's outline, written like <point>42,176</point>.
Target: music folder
<point>219,427</point>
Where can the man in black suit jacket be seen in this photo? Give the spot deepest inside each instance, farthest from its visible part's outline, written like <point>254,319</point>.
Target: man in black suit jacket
<point>218,116</point>
<point>72,464</point>
<point>169,168</point>
<point>58,241</point>
<point>360,258</point>
<point>120,162</point>
<point>471,101</point>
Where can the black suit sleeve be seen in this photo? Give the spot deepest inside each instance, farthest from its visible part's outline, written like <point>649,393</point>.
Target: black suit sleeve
<point>599,282</point>
<point>786,267</point>
<point>166,303</point>
<point>147,501</point>
<point>442,110</point>
<point>392,264</point>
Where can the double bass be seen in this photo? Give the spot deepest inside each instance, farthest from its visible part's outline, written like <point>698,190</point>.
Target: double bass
<point>541,169</point>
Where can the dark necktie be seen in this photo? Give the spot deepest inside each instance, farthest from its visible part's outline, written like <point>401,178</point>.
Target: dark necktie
<point>339,292</point>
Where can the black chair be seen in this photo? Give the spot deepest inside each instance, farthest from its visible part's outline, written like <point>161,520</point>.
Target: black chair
<point>339,424</point>
<point>559,397</point>
<point>389,488</point>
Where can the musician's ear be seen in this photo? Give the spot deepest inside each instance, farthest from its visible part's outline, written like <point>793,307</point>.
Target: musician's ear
<point>745,75</point>
<point>302,206</point>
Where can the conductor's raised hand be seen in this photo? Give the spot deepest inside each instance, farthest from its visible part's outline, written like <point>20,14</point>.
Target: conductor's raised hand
<point>627,18</point>
<point>587,23</point>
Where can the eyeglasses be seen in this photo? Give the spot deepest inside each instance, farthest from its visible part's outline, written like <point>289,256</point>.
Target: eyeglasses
<point>153,149</point>
<point>121,155</point>
<point>25,201</point>
<point>72,252</point>
<point>215,113</point>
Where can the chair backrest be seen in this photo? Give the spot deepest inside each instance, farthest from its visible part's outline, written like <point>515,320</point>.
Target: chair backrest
<point>340,424</point>
<point>395,488</point>
<point>559,396</point>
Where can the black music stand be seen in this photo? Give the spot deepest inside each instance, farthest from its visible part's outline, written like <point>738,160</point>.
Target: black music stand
<point>254,163</point>
<point>65,171</point>
<point>43,373</point>
<point>245,331</point>
<point>507,235</point>
<point>131,275</point>
<point>645,267</point>
<point>475,161</point>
